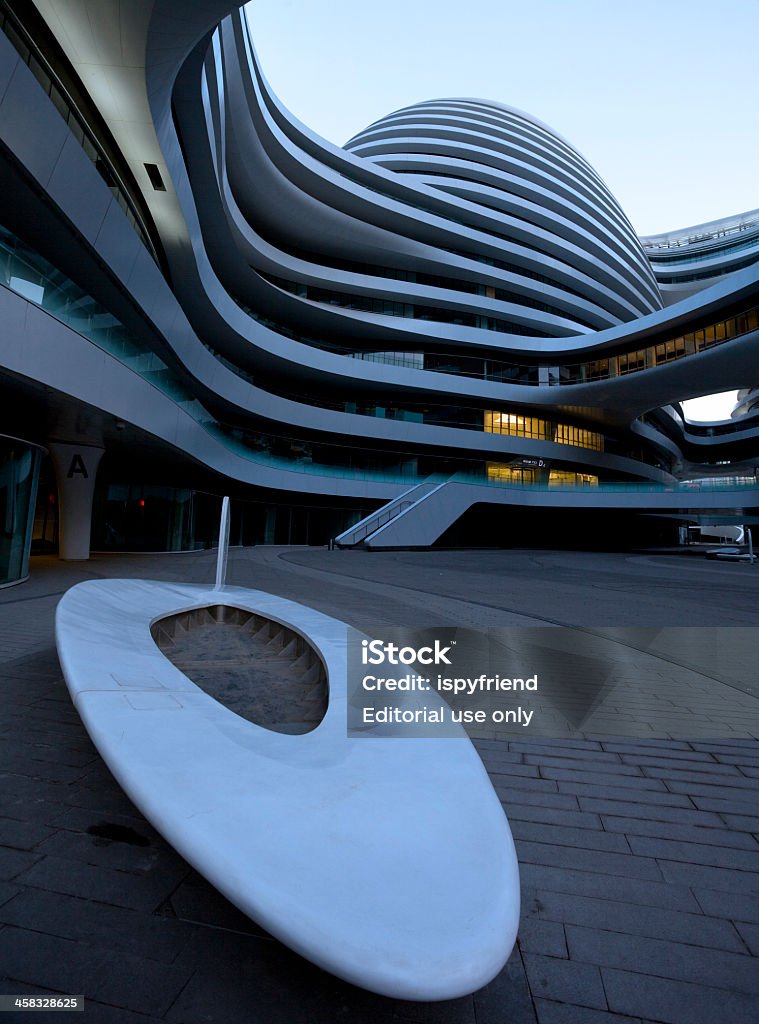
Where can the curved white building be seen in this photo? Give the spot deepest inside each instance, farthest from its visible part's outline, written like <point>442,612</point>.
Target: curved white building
<point>546,210</point>
<point>205,297</point>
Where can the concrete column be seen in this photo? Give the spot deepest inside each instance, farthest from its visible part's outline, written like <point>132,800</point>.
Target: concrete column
<point>75,471</point>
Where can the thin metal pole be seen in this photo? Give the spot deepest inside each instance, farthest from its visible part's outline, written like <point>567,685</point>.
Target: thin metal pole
<point>221,558</point>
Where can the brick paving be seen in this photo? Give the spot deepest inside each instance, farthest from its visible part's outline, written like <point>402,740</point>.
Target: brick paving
<point>639,858</point>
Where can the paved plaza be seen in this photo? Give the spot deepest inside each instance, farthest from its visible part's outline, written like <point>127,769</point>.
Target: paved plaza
<point>639,858</point>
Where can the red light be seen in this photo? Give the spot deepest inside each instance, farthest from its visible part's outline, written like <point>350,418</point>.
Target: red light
<point>142,503</point>
<point>51,499</point>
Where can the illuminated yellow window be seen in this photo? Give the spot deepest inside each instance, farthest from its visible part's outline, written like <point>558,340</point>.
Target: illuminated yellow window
<point>516,425</point>
<point>503,474</point>
<point>566,478</point>
<point>500,472</point>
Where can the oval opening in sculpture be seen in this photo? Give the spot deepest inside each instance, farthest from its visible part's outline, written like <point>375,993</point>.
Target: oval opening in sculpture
<point>258,668</point>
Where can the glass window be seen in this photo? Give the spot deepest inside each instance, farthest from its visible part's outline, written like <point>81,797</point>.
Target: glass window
<point>19,471</point>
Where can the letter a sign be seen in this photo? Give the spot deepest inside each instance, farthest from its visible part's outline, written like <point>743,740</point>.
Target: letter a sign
<point>77,468</point>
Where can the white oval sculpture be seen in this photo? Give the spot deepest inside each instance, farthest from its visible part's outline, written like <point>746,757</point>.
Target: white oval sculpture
<point>387,861</point>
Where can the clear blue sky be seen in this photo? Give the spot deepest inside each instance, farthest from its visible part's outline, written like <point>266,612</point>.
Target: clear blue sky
<point>661,96</point>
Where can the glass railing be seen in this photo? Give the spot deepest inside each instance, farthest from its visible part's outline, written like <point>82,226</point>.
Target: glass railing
<point>748,421</point>
<point>709,485</point>
<point>662,262</point>
<point>720,230</point>
<point>603,368</point>
<point>710,274</point>
<point>20,271</point>
<point>30,275</point>
<point>665,350</point>
<point>25,272</point>
<point>459,417</point>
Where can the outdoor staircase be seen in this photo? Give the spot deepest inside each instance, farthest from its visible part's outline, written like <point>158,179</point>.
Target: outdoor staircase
<point>358,535</point>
